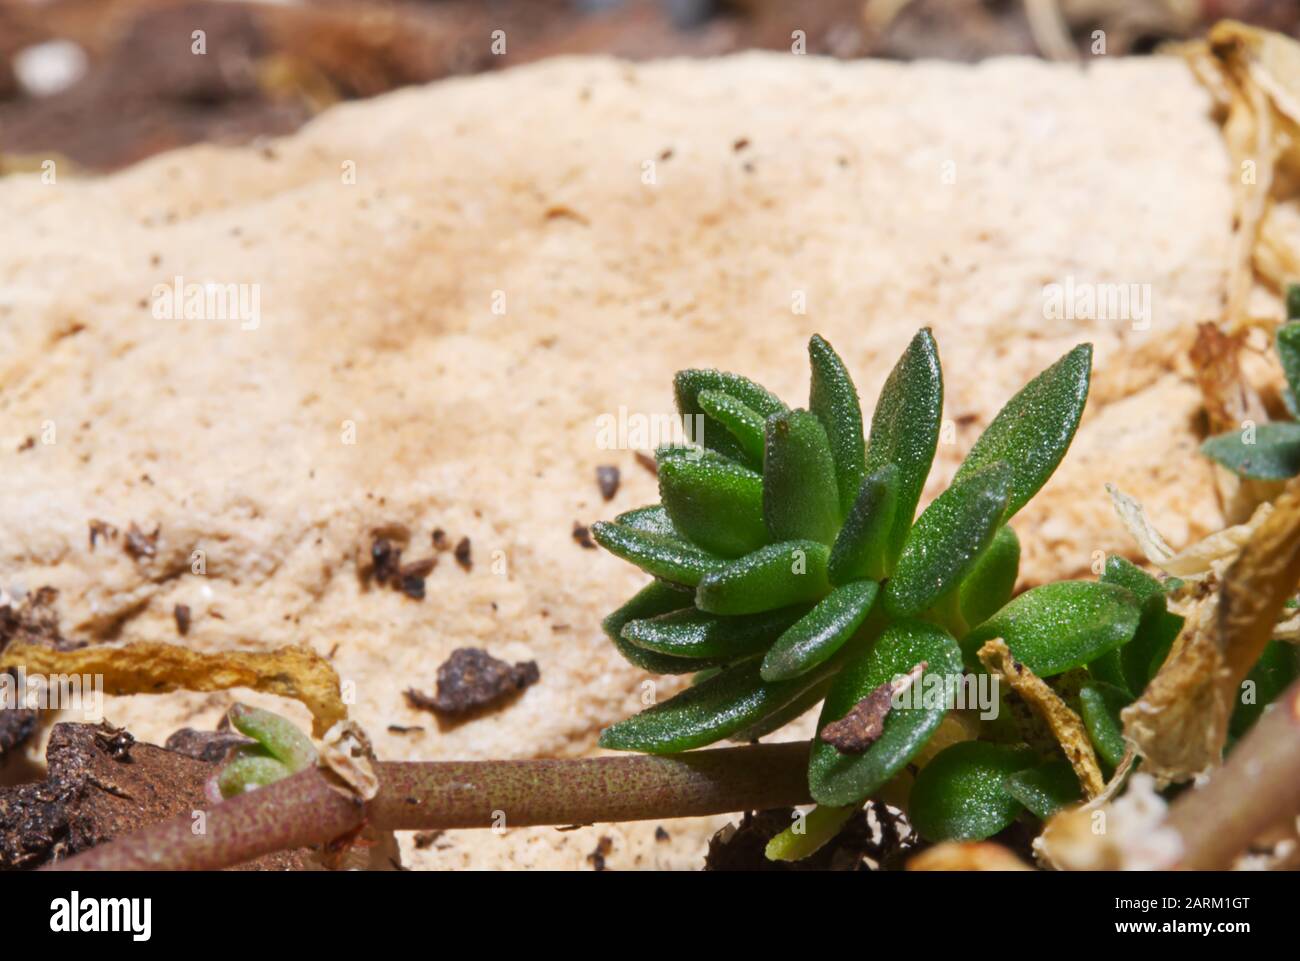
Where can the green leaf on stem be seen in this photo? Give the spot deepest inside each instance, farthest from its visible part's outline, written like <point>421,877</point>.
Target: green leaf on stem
<point>946,540</point>
<point>800,499</point>
<point>746,425</point>
<point>1100,705</point>
<point>834,400</point>
<point>961,795</point>
<point>687,386</point>
<point>778,575</point>
<point>657,554</point>
<point>719,507</point>
<point>905,430</point>
<point>731,701</point>
<point>1045,788</point>
<point>1131,666</point>
<point>1055,627</point>
<point>1268,451</point>
<point>821,632</point>
<point>839,779</point>
<point>859,549</point>
<point>695,633</point>
<point>991,580</point>
<point>653,600</point>
<point>820,825</point>
<point>1033,431</point>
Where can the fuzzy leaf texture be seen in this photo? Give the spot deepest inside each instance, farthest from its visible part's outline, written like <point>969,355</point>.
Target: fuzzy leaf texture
<point>1055,627</point>
<point>947,540</point>
<point>1269,451</point>
<point>821,632</point>
<point>778,575</point>
<point>719,507</point>
<point>961,795</point>
<point>859,549</point>
<point>728,702</point>
<point>839,779</point>
<point>799,497</point>
<point>834,399</point>
<point>687,386</point>
<point>1033,431</point>
<point>905,430</point>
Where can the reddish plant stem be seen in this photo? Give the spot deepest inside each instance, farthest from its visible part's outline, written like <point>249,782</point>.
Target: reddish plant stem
<point>1253,792</point>
<point>304,809</point>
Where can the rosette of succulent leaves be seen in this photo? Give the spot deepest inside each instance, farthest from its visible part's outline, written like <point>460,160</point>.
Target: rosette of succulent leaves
<point>790,568</point>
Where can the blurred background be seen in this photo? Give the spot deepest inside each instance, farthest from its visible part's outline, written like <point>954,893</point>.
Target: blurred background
<point>100,84</point>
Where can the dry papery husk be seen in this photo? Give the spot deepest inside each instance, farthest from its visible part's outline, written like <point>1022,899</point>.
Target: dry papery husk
<point>147,667</point>
<point>1254,77</point>
<point>1236,584</point>
<point>1066,726</point>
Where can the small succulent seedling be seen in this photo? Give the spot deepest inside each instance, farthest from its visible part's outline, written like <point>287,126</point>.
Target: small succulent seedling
<point>1269,451</point>
<point>279,749</point>
<point>790,568</point>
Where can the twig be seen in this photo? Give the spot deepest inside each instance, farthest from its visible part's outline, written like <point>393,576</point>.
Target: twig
<point>1253,792</point>
<point>305,809</point>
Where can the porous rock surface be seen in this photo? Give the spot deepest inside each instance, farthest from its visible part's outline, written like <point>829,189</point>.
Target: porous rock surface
<point>456,281</point>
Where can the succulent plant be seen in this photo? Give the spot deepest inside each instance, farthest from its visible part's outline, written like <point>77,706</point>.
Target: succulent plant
<point>1269,451</point>
<point>278,749</point>
<point>790,568</point>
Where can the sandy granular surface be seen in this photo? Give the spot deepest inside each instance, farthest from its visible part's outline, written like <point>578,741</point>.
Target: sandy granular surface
<point>498,276</point>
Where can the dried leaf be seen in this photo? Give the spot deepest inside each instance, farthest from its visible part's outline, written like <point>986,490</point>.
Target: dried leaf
<point>1134,837</point>
<point>1180,723</point>
<point>147,667</point>
<point>1066,726</point>
<point>346,751</point>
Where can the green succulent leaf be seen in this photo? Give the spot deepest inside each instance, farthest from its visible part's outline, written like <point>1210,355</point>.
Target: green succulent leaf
<point>961,795</point>
<point>905,430</point>
<point>834,400</point>
<point>821,632</point>
<point>687,386</point>
<point>1033,431</point>
<point>745,424</point>
<point>653,600</point>
<point>819,826</point>
<point>248,770</point>
<point>947,539</point>
<point>1101,704</point>
<point>1055,627</point>
<point>800,499</point>
<point>656,554</point>
<point>839,779</point>
<point>1293,301</point>
<point>859,549</point>
<point>795,709</point>
<point>778,575</point>
<point>1288,352</point>
<point>726,703</point>
<point>695,633</point>
<point>278,736</point>
<point>652,520</point>
<point>991,580</point>
<point>1131,666</point>
<point>719,507</point>
<point>1276,668</point>
<point>1268,451</point>
<point>1045,788</point>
